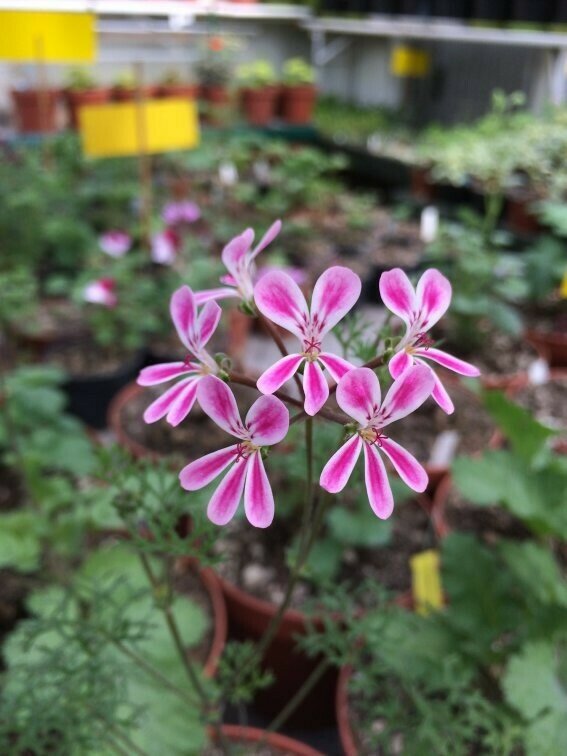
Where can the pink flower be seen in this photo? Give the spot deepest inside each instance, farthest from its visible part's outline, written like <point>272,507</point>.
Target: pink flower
<point>358,394</point>
<point>102,291</point>
<point>420,309</point>
<point>184,211</point>
<point>165,246</point>
<point>194,330</point>
<point>115,243</point>
<point>267,423</point>
<point>280,299</point>
<point>239,260</point>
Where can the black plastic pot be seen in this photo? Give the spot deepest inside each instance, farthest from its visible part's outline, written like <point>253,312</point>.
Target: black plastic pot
<point>451,8</point>
<point>536,11</point>
<point>88,397</point>
<point>561,12</point>
<point>416,7</point>
<point>389,7</point>
<point>491,10</point>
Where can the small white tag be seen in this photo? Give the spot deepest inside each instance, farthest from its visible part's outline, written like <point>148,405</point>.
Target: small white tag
<point>262,172</point>
<point>228,175</point>
<point>538,372</point>
<point>444,448</point>
<point>429,224</point>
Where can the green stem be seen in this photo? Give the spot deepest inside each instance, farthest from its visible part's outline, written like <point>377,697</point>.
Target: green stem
<point>493,206</point>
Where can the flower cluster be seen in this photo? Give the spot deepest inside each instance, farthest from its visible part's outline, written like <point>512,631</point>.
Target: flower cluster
<point>277,296</point>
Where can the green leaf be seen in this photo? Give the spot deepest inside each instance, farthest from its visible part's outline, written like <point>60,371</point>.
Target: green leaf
<point>324,560</point>
<point>535,567</point>
<point>359,527</point>
<point>527,436</point>
<point>20,546</point>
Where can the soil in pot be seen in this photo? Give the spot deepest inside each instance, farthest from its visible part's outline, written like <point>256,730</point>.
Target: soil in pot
<point>54,320</point>
<point>196,436</point>
<point>95,376</point>
<point>488,523</point>
<point>502,355</point>
<point>255,560</point>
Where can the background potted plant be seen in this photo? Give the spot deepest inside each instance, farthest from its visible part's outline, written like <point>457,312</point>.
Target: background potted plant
<point>173,85</point>
<point>258,91</point>
<point>81,90</point>
<point>298,93</point>
<point>126,87</point>
<point>35,109</point>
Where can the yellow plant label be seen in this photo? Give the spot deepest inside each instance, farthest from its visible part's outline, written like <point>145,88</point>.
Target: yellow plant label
<point>120,129</point>
<point>47,37</point>
<point>426,581</point>
<point>563,287</point>
<point>410,62</point>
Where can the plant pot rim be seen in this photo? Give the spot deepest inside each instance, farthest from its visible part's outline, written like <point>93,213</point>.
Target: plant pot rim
<point>119,401</point>
<point>283,743</point>
<point>342,710</point>
<point>552,337</point>
<point>219,619</point>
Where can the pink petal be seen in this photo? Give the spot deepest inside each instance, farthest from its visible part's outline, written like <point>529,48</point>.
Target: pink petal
<point>336,366</point>
<point>407,466</point>
<point>234,254</point>
<point>398,294</point>
<point>161,406</point>
<point>183,403</point>
<point>258,496</point>
<point>267,421</point>
<point>279,298</point>
<point>207,322</point>
<point>433,294</point>
<point>165,371</point>
<point>377,484</point>
<point>207,294</point>
<point>280,372</point>
<point>339,468</point>
<point>449,362</point>
<point>218,402</point>
<point>183,311</point>
<point>228,280</point>
<point>407,393</point>
<point>399,363</point>
<point>224,502</point>
<point>316,388</point>
<point>268,238</point>
<point>201,472</point>
<point>335,293</point>
<point>441,396</point>
<point>358,394</point>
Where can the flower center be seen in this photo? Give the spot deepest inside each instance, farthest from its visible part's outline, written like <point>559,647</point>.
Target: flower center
<point>422,340</point>
<point>244,449</point>
<point>311,350</point>
<point>372,435</point>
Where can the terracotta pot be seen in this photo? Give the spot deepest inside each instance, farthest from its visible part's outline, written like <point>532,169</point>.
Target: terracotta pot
<point>249,617</point>
<point>552,346</point>
<point>273,740</point>
<point>440,525</point>
<point>36,110</point>
<point>342,708</point>
<point>216,94</point>
<point>76,99</point>
<point>190,91</point>
<point>259,105</point>
<point>519,217</point>
<point>127,94</point>
<point>297,103</point>
<point>219,618</point>
<point>120,400</point>
<point>422,188</point>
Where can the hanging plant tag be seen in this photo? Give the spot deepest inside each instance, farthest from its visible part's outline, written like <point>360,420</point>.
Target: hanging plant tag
<point>410,62</point>
<point>563,287</point>
<point>426,581</point>
<point>47,37</point>
<point>126,128</point>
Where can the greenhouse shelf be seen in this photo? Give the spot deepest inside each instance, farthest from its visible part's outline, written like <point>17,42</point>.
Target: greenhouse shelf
<point>165,8</point>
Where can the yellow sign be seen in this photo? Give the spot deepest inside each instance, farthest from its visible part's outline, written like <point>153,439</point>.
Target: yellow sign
<point>410,62</point>
<point>47,37</point>
<point>118,129</point>
<point>426,581</point>
<point>563,287</point>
